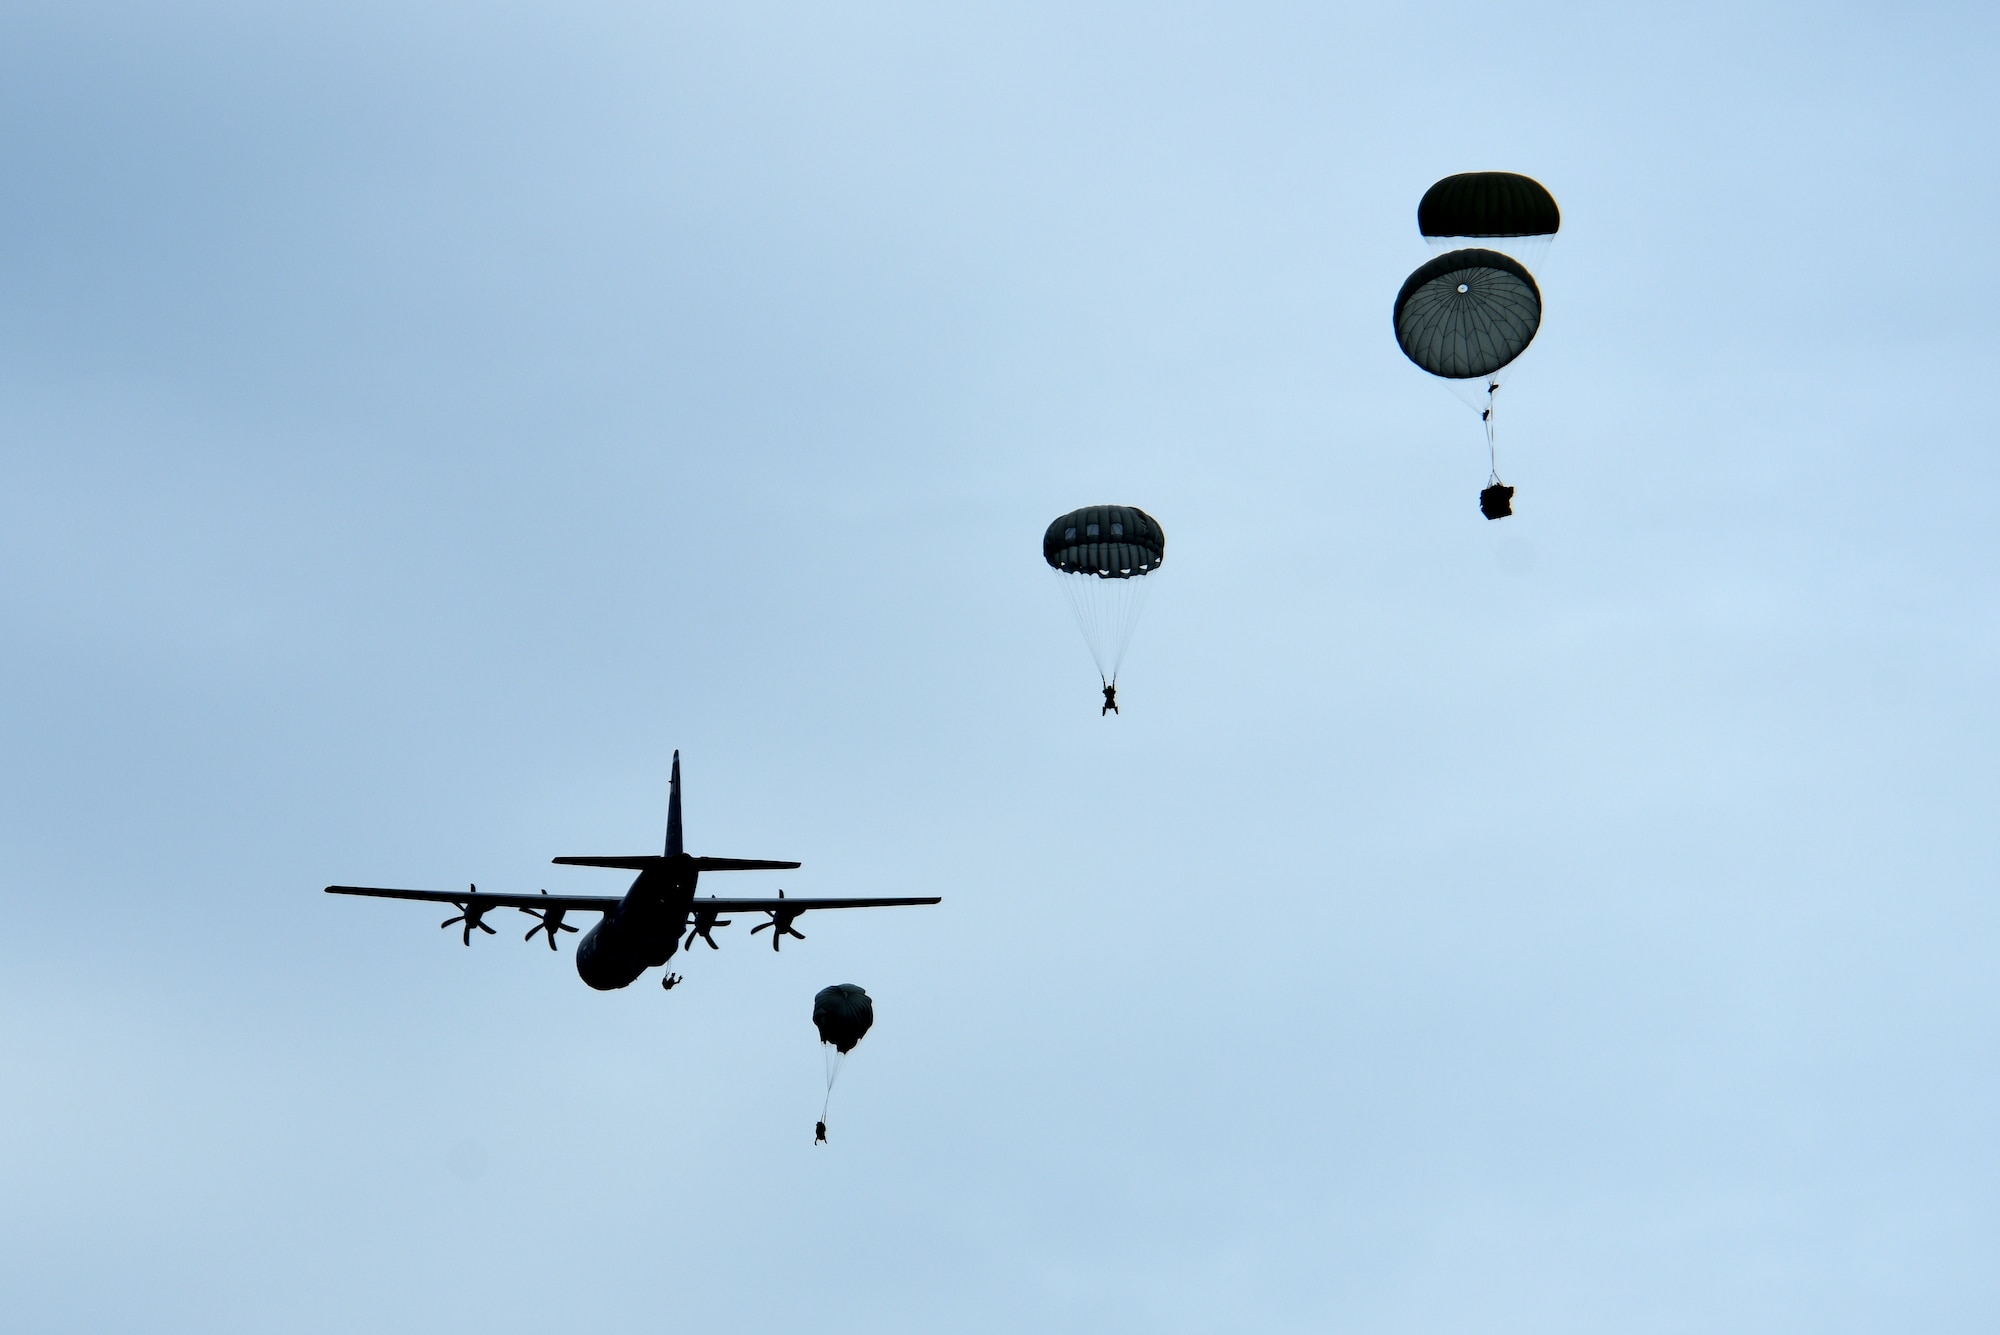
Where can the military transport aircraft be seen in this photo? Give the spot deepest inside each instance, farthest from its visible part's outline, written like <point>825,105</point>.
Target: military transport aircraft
<point>642,928</point>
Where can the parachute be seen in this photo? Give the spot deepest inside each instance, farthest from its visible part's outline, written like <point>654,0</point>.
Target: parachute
<point>1494,204</point>
<point>843,1014</point>
<point>1499,210</point>
<point>1101,555</point>
<point>1467,315</point>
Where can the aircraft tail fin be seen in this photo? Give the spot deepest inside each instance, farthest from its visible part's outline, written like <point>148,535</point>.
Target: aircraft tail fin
<point>674,809</point>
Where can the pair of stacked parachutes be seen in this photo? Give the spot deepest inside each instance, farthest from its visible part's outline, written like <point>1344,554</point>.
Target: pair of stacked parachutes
<point>1468,314</point>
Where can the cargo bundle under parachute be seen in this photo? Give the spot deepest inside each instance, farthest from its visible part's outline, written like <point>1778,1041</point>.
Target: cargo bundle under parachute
<point>1102,555</point>
<point>1469,314</point>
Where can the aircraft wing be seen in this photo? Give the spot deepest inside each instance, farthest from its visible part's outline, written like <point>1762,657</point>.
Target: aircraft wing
<point>606,903</point>
<point>568,903</point>
<point>790,906</point>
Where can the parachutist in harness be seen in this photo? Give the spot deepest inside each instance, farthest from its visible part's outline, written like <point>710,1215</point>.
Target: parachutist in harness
<point>843,1014</point>
<point>671,981</point>
<point>1105,558</point>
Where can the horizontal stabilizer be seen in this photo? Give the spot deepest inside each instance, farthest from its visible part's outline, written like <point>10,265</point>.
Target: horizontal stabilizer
<point>647,863</point>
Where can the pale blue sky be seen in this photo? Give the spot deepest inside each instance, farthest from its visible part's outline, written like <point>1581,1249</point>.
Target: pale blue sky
<point>419,419</point>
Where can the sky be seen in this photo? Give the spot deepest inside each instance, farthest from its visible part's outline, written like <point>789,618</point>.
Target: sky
<point>419,420</point>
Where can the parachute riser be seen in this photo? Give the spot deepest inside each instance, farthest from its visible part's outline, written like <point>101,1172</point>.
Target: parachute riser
<point>1486,420</point>
<point>1531,251</point>
<point>835,1060</point>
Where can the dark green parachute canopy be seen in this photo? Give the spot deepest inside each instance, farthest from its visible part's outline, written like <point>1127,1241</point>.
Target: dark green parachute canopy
<point>1488,204</point>
<point>1109,541</point>
<point>842,1014</point>
<point>1467,313</point>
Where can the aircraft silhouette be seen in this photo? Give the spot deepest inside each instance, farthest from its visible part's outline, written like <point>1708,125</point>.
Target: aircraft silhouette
<point>642,929</point>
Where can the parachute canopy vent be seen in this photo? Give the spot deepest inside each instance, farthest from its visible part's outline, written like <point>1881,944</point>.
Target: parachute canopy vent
<point>1468,313</point>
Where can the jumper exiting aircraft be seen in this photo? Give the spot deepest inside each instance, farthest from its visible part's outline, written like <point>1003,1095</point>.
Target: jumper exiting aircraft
<point>642,928</point>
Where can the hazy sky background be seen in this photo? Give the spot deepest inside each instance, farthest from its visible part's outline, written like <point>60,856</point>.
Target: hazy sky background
<point>419,419</point>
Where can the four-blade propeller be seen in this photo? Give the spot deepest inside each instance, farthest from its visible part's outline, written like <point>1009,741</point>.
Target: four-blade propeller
<point>472,913</point>
<point>547,920</point>
<point>782,919</point>
<point>705,921</point>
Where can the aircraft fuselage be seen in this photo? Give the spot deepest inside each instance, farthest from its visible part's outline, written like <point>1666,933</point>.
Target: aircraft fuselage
<point>644,931</point>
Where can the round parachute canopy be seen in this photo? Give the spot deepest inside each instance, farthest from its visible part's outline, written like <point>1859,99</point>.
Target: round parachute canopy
<point>1105,541</point>
<point>842,1014</point>
<point>1492,204</point>
<point>1468,313</point>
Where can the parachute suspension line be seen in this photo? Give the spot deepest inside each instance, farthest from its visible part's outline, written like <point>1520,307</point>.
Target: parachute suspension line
<point>1107,612</point>
<point>1080,609</point>
<point>1124,605</point>
<point>1492,451</point>
<point>833,1057</point>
